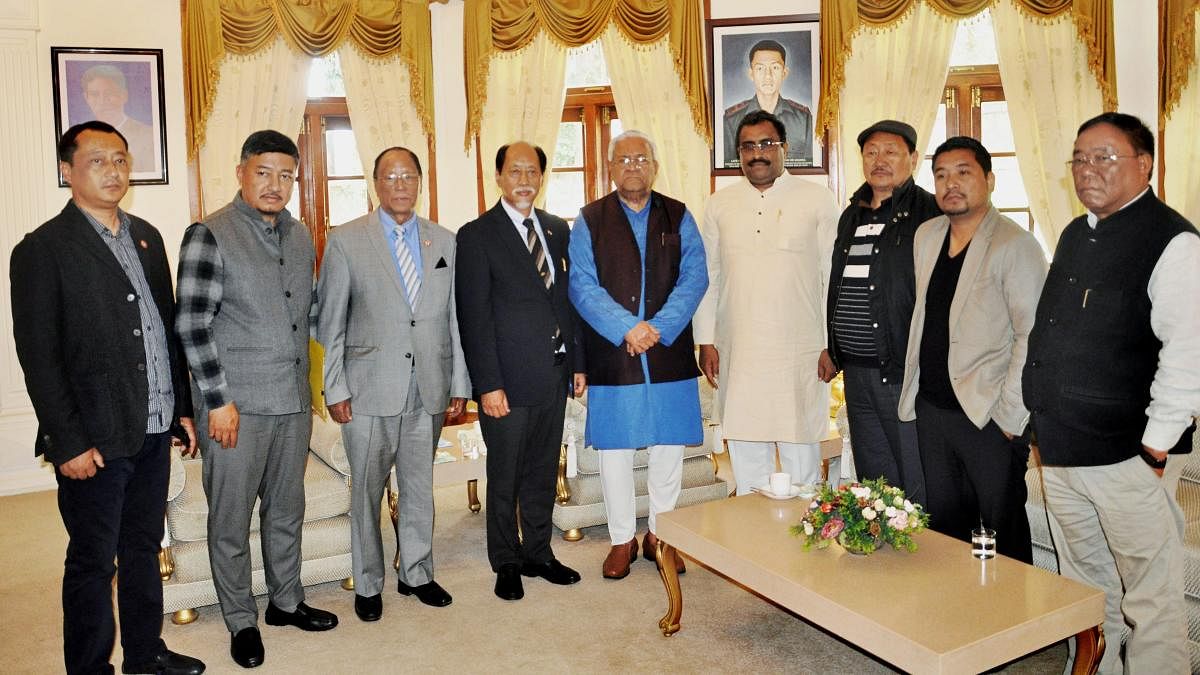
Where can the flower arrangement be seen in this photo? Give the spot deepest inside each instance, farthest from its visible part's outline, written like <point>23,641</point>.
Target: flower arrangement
<point>861,517</point>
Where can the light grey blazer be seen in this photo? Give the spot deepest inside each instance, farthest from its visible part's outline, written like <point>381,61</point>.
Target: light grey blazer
<point>990,318</point>
<point>371,337</point>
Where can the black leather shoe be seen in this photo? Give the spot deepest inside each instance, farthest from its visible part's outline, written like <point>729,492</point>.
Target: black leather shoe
<point>304,618</point>
<point>169,663</point>
<point>508,583</point>
<point>553,571</point>
<point>246,648</point>
<point>368,609</point>
<point>431,593</point>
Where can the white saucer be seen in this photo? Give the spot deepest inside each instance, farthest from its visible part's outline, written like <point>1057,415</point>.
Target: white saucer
<point>766,492</point>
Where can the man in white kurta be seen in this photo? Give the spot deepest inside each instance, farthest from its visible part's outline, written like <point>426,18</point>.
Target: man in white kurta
<point>768,241</point>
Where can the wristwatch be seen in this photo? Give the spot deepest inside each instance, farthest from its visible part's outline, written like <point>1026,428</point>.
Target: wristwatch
<point>1154,462</point>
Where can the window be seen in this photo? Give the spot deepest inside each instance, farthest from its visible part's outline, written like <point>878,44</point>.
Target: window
<point>973,104</point>
<point>579,171</point>
<point>331,188</point>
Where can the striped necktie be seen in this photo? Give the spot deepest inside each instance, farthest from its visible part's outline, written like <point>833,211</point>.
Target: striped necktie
<point>408,268</point>
<point>535,250</point>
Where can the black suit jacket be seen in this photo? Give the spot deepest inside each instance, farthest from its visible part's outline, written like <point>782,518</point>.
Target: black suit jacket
<point>506,315</point>
<point>74,317</point>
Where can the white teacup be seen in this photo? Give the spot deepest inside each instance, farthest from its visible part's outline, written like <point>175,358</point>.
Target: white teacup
<point>781,484</point>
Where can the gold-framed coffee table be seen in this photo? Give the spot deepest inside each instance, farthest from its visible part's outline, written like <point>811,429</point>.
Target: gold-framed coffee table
<point>937,610</point>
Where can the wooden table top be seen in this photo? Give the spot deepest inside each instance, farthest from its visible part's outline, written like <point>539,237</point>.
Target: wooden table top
<point>936,610</point>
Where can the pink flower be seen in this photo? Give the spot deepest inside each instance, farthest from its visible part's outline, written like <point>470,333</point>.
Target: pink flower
<point>832,528</point>
<point>899,521</point>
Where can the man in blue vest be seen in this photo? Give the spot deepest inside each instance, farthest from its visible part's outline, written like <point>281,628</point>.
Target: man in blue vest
<point>1112,380</point>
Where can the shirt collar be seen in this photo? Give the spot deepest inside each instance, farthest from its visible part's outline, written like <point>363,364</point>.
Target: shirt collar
<point>1092,218</point>
<point>122,218</point>
<point>389,223</point>
<point>282,219</point>
<point>515,216</point>
<point>781,178</point>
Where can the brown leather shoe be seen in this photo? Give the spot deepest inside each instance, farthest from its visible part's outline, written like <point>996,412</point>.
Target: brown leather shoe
<point>616,565</point>
<point>650,543</point>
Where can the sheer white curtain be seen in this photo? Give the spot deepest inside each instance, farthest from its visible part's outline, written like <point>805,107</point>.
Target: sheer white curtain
<point>524,103</point>
<point>1181,175</point>
<point>267,90</point>
<point>1050,92</point>
<point>894,74</point>
<point>382,112</point>
<point>650,98</point>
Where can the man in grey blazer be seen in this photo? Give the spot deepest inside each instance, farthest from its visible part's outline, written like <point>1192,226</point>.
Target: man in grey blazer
<point>979,276</point>
<point>393,361</point>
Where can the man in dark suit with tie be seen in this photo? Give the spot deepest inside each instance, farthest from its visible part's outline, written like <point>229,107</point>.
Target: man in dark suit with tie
<point>92,321</point>
<point>518,336</point>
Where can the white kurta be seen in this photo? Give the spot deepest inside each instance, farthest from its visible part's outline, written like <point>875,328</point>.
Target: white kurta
<point>768,257</point>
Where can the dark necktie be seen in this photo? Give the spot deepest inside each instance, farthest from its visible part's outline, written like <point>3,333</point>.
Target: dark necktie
<point>535,250</point>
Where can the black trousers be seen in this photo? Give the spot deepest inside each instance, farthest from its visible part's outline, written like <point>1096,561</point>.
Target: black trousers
<point>971,475</point>
<point>115,514</point>
<point>522,469</point>
<point>883,445</point>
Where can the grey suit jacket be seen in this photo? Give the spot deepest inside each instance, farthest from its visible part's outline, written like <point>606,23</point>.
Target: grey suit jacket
<point>371,337</point>
<point>990,319</point>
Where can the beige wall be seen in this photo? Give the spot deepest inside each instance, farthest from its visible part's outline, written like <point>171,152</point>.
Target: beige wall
<point>28,28</point>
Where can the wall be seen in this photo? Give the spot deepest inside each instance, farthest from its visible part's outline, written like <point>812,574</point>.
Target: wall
<point>28,28</point>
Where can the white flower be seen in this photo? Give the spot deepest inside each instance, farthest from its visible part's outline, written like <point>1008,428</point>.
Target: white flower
<point>878,505</point>
<point>869,513</point>
<point>908,506</point>
<point>889,511</point>
<point>860,491</point>
<point>808,528</point>
<point>898,501</point>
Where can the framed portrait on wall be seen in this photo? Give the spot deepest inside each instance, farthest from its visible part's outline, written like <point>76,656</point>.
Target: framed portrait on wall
<point>766,63</point>
<point>123,87</point>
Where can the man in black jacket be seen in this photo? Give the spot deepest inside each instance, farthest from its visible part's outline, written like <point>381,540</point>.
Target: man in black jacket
<point>870,304</point>
<point>92,321</point>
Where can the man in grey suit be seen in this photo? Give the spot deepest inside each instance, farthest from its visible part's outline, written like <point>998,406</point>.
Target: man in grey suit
<point>393,361</point>
<point>978,275</point>
<point>245,294</point>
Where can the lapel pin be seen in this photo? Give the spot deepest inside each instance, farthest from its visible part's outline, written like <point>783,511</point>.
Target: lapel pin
<point>143,244</point>
<point>427,242</point>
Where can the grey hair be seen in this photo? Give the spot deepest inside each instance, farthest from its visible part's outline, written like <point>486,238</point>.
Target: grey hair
<point>632,133</point>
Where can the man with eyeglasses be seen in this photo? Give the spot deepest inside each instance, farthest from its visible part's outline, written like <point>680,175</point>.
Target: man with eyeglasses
<point>870,304</point>
<point>768,70</point>
<point>1113,382</point>
<point>637,275</point>
<point>245,296</point>
<point>761,325</point>
<point>394,369</point>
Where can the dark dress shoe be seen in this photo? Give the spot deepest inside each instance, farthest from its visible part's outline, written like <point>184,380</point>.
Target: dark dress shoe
<point>553,571</point>
<point>431,593</point>
<point>650,543</point>
<point>169,663</point>
<point>616,563</point>
<point>508,583</point>
<point>246,648</point>
<point>368,609</point>
<point>304,618</point>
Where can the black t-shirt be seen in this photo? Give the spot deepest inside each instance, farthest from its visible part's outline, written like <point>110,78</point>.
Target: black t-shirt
<point>935,341</point>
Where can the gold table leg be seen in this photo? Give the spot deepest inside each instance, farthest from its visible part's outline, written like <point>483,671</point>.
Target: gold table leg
<point>664,555</point>
<point>1089,648</point>
<point>473,495</point>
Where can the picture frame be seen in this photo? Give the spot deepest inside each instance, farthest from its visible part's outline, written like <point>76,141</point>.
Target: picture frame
<point>792,78</point>
<point>123,87</point>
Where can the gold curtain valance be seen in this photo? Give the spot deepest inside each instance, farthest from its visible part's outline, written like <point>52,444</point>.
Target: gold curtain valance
<point>378,28</point>
<point>841,20</point>
<point>492,26</point>
<point>1176,52</point>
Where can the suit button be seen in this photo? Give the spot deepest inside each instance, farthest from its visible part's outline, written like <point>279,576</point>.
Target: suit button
<point>287,294</point>
<point>141,366</point>
<point>297,361</point>
<point>1070,280</point>
<point>885,380</point>
<point>874,325</point>
<point>871,287</point>
<point>408,356</point>
<point>1035,364</point>
<point>1052,321</point>
<point>293,327</point>
<point>281,261</point>
<point>137,332</point>
<point>130,298</point>
<point>412,323</point>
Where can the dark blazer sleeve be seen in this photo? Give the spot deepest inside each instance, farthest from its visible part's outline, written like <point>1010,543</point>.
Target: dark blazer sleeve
<point>38,316</point>
<point>473,296</point>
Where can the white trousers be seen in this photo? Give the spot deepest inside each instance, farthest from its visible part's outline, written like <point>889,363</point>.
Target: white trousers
<point>1118,527</point>
<point>664,476</point>
<point>754,462</point>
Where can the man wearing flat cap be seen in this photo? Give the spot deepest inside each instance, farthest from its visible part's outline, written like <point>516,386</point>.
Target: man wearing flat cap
<point>870,304</point>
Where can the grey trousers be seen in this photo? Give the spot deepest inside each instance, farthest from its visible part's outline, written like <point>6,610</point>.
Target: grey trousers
<point>881,443</point>
<point>373,446</point>
<point>268,464</point>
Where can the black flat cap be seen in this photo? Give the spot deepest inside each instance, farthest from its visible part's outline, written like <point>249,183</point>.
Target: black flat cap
<point>901,129</point>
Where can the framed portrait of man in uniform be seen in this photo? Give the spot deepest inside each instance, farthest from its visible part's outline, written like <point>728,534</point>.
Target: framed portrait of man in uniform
<point>123,87</point>
<point>766,63</point>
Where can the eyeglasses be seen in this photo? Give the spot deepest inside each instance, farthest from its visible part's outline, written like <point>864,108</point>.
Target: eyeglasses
<point>764,145</point>
<point>627,162</point>
<point>1098,161</point>
<point>406,178</point>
